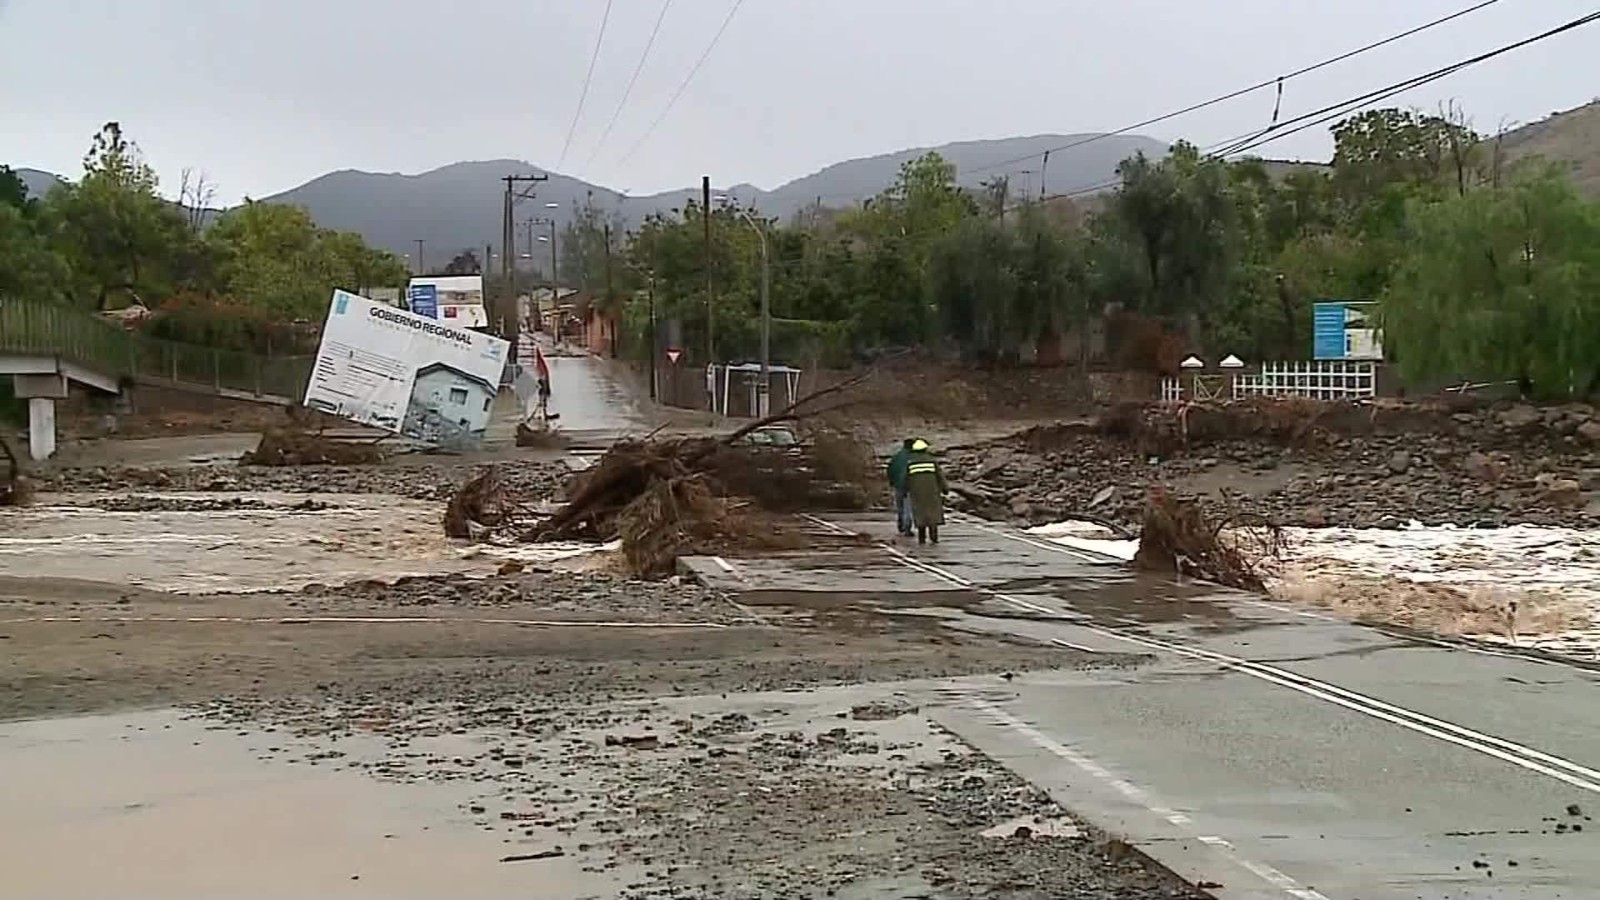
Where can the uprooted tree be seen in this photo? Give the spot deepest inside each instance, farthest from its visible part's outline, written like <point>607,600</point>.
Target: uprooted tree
<point>666,498</point>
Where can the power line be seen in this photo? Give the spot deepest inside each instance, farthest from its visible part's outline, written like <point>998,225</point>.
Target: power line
<point>628,91</point>
<point>1329,113</point>
<point>682,87</point>
<point>1277,131</point>
<point>584,94</point>
<point>1269,83</point>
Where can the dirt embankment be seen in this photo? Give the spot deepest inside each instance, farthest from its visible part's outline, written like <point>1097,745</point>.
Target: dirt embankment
<point>411,478</point>
<point>1301,463</point>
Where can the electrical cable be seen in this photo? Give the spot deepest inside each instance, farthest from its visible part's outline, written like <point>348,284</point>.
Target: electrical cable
<point>628,91</point>
<point>1232,95</point>
<point>684,86</point>
<point>583,95</point>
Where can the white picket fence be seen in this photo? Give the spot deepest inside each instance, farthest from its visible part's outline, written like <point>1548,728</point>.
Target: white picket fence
<point>1318,380</point>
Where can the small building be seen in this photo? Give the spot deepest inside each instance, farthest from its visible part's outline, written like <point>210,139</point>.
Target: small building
<point>448,406</point>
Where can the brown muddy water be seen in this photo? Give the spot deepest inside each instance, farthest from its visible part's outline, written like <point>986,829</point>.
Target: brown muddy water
<point>231,542</point>
<point>153,804</point>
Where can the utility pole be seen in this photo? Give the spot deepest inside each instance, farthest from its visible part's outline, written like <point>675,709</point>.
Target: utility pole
<point>611,309</point>
<point>421,269</point>
<point>711,307</point>
<point>654,375</point>
<point>509,324</point>
<point>1044,167</point>
<point>764,387</point>
<point>488,254</point>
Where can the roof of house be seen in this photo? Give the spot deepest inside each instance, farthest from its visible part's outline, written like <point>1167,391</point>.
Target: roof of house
<point>445,367</point>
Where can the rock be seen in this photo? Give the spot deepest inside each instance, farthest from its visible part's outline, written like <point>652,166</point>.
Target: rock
<point>1590,432</point>
<point>1481,467</point>
<point>1562,492</point>
<point>1103,496</point>
<point>1315,517</point>
<point>1021,506</point>
<point>634,741</point>
<point>1519,417</point>
<point>1400,462</point>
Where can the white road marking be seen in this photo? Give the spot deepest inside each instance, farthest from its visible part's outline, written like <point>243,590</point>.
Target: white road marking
<point>1141,797</point>
<point>1576,775</point>
<point>724,565</point>
<point>1044,545</point>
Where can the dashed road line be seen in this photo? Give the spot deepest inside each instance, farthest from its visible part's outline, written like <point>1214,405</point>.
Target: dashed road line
<point>1141,797</point>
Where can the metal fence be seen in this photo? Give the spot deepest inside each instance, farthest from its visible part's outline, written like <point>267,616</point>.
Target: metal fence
<point>107,348</point>
<point>1319,380</point>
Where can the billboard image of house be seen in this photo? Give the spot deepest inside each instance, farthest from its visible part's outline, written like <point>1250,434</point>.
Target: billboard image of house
<point>395,370</point>
<point>448,406</point>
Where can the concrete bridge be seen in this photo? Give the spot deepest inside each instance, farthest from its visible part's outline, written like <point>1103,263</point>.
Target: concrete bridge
<point>47,349</point>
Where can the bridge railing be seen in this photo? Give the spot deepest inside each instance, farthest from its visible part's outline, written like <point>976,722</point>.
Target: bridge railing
<point>89,341</point>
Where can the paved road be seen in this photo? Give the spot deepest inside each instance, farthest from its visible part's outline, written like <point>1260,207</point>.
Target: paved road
<point>1276,752</point>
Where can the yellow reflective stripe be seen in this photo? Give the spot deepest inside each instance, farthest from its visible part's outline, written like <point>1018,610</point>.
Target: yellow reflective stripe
<point>921,468</point>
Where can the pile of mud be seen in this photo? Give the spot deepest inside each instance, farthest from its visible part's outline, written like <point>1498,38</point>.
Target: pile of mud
<point>1299,462</point>
<point>292,446</point>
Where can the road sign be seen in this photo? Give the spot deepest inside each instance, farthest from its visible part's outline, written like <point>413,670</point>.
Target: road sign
<point>673,355</point>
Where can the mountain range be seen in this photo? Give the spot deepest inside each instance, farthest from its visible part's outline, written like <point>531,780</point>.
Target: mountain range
<point>459,206</point>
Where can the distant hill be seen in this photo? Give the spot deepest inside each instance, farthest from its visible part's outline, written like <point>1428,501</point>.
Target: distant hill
<point>39,183</point>
<point>1570,138</point>
<point>459,205</point>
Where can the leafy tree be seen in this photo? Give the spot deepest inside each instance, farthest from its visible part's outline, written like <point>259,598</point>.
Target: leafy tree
<point>119,237</point>
<point>274,258</point>
<point>1501,283</point>
<point>464,263</point>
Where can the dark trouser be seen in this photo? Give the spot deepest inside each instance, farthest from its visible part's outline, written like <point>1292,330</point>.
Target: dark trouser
<point>902,511</point>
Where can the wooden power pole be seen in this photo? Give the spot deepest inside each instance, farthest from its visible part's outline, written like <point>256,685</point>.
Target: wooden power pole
<point>506,318</point>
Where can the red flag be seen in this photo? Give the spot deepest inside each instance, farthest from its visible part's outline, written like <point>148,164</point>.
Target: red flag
<point>539,363</point>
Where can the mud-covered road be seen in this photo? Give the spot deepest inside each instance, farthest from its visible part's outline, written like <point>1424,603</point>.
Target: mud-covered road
<point>553,732</point>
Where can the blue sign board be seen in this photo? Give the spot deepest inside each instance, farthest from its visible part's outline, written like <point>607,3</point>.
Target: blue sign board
<point>1327,331</point>
<point>424,300</point>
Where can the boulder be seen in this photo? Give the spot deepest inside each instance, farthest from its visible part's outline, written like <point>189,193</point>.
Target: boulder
<point>1519,417</point>
<point>1400,462</point>
<point>1590,432</point>
<point>1480,466</point>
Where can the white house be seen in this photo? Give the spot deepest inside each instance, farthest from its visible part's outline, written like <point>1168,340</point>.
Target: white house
<point>447,405</point>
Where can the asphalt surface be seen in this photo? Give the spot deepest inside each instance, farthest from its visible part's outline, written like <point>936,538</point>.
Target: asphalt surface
<point>1265,751</point>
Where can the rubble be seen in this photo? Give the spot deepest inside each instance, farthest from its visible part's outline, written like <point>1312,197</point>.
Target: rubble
<point>1297,463</point>
<point>292,446</point>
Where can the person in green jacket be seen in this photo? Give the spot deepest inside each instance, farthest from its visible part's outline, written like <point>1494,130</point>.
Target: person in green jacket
<point>897,481</point>
<point>926,486</point>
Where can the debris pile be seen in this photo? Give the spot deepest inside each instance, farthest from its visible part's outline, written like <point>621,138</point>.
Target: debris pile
<point>664,498</point>
<point>543,438</point>
<point>477,507</point>
<point>1178,538</point>
<point>291,445</point>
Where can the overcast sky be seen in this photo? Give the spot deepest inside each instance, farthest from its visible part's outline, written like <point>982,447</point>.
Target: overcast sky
<point>266,94</point>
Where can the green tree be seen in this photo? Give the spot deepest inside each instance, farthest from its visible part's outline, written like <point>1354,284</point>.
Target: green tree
<point>1501,283</point>
<point>274,258</point>
<point>121,240</point>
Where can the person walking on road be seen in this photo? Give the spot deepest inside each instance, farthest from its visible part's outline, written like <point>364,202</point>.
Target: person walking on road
<point>897,481</point>
<point>926,486</point>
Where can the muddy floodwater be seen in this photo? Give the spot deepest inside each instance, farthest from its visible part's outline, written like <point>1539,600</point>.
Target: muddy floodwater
<point>1527,585</point>
<point>158,804</point>
<point>232,542</point>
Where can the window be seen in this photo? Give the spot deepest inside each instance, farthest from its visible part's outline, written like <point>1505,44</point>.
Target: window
<point>458,396</point>
<point>486,402</point>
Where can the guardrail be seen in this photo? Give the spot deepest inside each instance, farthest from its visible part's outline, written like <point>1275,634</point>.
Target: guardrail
<point>85,339</point>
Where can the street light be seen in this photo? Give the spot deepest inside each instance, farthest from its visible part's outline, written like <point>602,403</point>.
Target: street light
<point>764,387</point>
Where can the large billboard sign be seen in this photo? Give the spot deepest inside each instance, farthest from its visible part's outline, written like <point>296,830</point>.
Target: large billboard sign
<point>1345,330</point>
<point>424,378</point>
<point>456,299</point>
